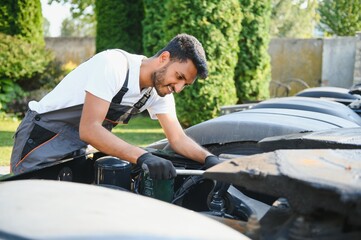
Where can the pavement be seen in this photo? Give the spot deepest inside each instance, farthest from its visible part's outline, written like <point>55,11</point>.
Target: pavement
<point>4,170</point>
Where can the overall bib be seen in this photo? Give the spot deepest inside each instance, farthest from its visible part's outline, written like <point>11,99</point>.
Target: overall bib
<point>42,139</point>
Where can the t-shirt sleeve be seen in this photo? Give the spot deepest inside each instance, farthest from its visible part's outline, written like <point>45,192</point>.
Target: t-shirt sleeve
<point>162,105</point>
<point>106,74</point>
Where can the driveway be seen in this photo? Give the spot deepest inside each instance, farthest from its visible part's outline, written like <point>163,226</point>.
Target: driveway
<point>4,170</point>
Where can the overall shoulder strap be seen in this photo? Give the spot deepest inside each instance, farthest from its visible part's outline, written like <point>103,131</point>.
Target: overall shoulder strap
<point>138,105</point>
<point>119,96</point>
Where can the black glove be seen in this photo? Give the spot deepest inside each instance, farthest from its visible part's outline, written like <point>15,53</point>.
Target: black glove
<point>158,168</point>
<point>211,161</point>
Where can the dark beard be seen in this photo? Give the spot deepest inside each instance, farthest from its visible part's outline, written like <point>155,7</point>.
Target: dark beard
<point>158,79</point>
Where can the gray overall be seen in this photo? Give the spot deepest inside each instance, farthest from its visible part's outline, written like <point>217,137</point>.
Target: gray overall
<point>42,139</point>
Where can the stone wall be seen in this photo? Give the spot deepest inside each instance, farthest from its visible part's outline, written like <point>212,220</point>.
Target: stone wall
<point>338,60</point>
<point>357,67</point>
<point>71,49</point>
<point>295,63</point>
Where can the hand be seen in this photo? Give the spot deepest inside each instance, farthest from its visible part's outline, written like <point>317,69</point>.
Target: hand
<point>211,161</point>
<point>158,168</point>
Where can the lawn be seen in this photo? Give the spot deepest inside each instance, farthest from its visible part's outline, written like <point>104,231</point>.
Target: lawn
<point>140,131</point>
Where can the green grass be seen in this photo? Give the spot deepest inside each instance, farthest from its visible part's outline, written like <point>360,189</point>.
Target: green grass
<point>140,131</point>
<point>7,130</point>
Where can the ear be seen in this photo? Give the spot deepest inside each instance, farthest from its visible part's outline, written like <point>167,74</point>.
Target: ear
<point>164,57</point>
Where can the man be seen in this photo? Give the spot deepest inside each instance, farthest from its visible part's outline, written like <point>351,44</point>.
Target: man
<point>106,90</point>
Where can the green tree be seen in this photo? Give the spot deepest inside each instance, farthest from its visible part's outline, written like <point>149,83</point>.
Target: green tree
<point>46,27</point>
<point>21,66</point>
<point>253,71</point>
<point>216,24</point>
<point>76,28</point>
<point>22,18</point>
<point>340,17</point>
<point>23,57</point>
<point>119,25</point>
<point>82,21</point>
<point>78,7</point>
<point>68,28</point>
<point>293,18</point>
<point>153,26</point>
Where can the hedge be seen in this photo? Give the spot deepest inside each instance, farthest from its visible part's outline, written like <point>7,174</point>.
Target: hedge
<point>22,18</point>
<point>153,26</point>
<point>216,24</point>
<point>253,71</point>
<point>22,68</point>
<point>119,25</point>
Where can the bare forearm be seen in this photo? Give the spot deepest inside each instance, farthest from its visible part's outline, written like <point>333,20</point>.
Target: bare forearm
<point>190,149</point>
<point>108,143</point>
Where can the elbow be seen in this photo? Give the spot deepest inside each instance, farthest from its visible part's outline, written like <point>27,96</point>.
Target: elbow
<point>173,143</point>
<point>84,134</point>
<point>178,140</point>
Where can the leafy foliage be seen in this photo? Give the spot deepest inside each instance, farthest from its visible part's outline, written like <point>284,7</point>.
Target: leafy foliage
<point>153,26</point>
<point>82,21</point>
<point>9,91</point>
<point>23,57</point>
<point>296,19</point>
<point>46,27</point>
<point>119,25</point>
<point>253,71</point>
<point>76,28</point>
<point>340,17</point>
<point>78,8</point>
<point>21,68</point>
<point>216,24</point>
<point>22,18</point>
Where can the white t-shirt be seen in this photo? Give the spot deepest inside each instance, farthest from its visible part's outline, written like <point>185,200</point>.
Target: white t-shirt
<point>103,75</point>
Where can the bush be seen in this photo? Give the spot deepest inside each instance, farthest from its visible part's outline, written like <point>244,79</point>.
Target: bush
<point>253,71</point>
<point>341,17</point>
<point>9,91</point>
<point>22,66</point>
<point>153,26</point>
<point>119,25</point>
<point>216,24</point>
<point>22,18</point>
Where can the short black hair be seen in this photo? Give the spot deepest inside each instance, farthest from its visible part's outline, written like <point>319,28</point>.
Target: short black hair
<point>183,47</point>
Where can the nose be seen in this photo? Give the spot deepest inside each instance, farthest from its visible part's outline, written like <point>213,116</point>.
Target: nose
<point>178,87</point>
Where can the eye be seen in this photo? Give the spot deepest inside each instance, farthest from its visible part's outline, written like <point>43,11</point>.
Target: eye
<point>179,77</point>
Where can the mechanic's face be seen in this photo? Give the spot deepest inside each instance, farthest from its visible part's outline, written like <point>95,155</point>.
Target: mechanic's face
<point>173,77</point>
